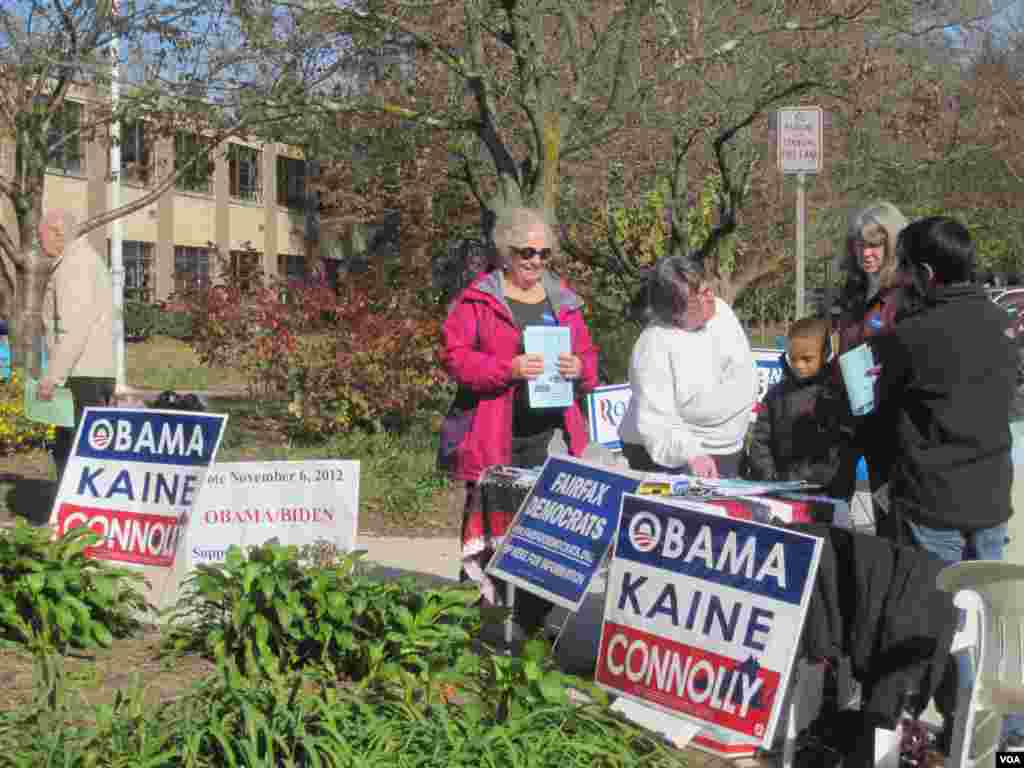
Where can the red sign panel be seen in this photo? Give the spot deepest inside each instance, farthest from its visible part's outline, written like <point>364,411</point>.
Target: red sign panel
<point>690,681</point>
<point>128,537</point>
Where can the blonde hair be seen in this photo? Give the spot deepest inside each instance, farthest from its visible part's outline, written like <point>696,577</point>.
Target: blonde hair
<point>511,225</point>
<point>878,224</point>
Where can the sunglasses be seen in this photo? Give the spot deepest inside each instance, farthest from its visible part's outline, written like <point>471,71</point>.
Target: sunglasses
<point>544,254</point>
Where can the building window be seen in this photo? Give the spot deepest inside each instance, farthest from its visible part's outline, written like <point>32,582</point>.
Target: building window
<point>136,159</point>
<point>64,140</point>
<point>291,267</point>
<point>198,176</point>
<point>291,182</point>
<point>246,268</point>
<point>244,172</point>
<point>137,260</point>
<point>191,268</point>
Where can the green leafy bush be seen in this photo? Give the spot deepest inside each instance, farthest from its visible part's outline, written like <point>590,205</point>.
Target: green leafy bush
<point>140,319</point>
<point>53,596</point>
<point>177,325</point>
<point>310,722</point>
<point>271,611</point>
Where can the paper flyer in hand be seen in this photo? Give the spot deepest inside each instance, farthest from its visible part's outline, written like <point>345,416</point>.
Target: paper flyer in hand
<point>59,411</point>
<point>549,390</point>
<point>857,367</point>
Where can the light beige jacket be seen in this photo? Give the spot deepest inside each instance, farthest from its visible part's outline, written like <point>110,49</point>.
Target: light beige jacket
<point>78,315</point>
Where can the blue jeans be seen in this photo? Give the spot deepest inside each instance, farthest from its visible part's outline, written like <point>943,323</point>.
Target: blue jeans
<point>953,547</point>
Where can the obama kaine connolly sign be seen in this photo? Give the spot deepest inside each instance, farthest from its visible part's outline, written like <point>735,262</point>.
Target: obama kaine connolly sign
<point>134,477</point>
<point>703,615</point>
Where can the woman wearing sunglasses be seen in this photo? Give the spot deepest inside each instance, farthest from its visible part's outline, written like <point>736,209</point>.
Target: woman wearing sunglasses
<point>491,421</point>
<point>693,379</point>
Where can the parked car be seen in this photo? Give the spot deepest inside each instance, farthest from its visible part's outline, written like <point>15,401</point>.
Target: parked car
<point>1012,300</point>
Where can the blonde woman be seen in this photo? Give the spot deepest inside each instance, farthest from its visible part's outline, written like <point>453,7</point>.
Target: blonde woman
<point>874,288</point>
<point>874,294</point>
<point>491,421</point>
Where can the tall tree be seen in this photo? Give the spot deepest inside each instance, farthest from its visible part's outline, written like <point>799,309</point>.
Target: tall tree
<point>529,83</point>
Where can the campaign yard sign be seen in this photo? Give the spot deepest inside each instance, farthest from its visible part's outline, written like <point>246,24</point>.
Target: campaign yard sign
<point>702,617</point>
<point>563,529</point>
<point>769,370</point>
<point>134,476</point>
<point>607,406</point>
<point>297,502</point>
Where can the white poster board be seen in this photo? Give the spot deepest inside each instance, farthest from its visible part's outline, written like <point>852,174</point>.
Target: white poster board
<point>297,502</point>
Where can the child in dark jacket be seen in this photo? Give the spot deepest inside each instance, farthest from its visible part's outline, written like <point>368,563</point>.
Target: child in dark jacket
<point>804,429</point>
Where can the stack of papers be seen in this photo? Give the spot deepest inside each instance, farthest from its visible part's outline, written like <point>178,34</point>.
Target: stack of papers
<point>549,390</point>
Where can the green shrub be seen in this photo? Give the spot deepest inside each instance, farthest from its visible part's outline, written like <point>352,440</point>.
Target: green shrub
<point>273,610</point>
<point>139,320</point>
<point>260,724</point>
<point>53,596</point>
<point>177,325</point>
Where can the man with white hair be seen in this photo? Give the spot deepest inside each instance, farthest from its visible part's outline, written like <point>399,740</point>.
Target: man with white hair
<point>78,315</point>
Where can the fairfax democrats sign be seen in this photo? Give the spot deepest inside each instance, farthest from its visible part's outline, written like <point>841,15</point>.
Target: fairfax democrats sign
<point>562,531</point>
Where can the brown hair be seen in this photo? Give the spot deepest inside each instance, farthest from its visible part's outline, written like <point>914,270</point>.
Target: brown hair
<point>668,288</point>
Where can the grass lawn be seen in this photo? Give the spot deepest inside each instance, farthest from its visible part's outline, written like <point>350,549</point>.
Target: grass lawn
<point>166,363</point>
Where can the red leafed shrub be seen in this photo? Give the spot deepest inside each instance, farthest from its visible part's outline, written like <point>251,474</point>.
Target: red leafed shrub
<point>379,368</point>
<point>364,359</point>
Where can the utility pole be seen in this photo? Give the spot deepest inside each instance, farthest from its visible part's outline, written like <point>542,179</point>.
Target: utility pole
<point>116,226</point>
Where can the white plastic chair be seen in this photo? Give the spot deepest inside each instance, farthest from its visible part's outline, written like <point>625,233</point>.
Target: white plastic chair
<point>994,592</point>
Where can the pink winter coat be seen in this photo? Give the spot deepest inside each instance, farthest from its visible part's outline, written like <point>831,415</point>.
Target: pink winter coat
<point>480,340</point>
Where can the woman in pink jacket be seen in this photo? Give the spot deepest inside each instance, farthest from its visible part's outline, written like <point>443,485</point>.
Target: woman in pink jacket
<point>491,421</point>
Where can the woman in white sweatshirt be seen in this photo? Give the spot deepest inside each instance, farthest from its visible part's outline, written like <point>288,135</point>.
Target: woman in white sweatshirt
<point>693,378</point>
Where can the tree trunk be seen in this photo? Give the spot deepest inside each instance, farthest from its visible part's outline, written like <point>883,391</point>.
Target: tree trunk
<point>552,147</point>
<point>26,351</point>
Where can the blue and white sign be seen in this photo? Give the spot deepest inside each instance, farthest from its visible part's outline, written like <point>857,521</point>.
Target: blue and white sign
<point>607,406</point>
<point>769,370</point>
<point>134,477</point>
<point>562,531</point>
<point>703,615</point>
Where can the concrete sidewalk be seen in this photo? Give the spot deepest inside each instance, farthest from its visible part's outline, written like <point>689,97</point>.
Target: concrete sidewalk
<point>434,560</point>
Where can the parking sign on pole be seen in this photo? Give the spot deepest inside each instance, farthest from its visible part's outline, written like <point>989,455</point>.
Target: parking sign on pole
<point>800,140</point>
<point>799,152</point>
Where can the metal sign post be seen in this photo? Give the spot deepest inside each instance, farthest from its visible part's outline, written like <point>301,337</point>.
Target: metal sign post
<point>801,238</point>
<point>799,152</point>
